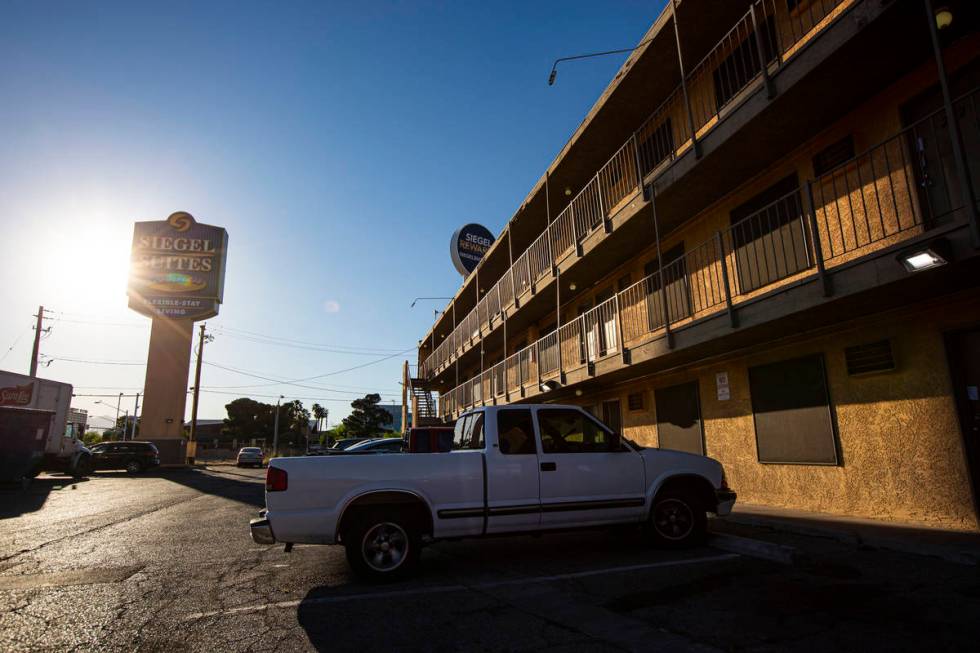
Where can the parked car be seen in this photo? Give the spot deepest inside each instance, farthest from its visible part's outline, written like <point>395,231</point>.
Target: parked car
<point>377,445</point>
<point>251,456</point>
<point>511,469</point>
<point>134,457</point>
<point>341,445</point>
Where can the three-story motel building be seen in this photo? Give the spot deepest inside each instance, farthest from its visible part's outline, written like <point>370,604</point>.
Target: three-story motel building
<point>761,245</point>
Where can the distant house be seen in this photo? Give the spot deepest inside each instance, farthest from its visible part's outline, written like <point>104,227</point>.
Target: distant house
<point>207,429</point>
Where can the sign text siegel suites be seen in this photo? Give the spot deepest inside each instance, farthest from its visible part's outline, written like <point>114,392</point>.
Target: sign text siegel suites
<point>177,268</point>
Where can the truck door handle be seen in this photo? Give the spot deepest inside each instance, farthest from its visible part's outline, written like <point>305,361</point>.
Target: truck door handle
<point>549,467</point>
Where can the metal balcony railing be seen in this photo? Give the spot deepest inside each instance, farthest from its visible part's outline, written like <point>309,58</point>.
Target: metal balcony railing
<point>766,36</point>
<point>891,192</point>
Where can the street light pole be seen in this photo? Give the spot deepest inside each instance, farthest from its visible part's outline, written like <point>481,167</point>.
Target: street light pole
<point>136,412</point>
<point>275,430</point>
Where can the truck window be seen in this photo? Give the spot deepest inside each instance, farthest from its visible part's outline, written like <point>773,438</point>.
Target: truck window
<point>459,434</point>
<point>569,431</point>
<point>515,432</point>
<point>476,432</point>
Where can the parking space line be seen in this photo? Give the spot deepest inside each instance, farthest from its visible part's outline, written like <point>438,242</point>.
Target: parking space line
<point>441,589</point>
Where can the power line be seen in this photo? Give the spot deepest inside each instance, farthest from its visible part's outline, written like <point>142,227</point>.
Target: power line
<point>277,343</point>
<point>350,348</point>
<point>218,392</point>
<point>278,382</point>
<point>89,362</point>
<point>16,340</point>
<point>272,380</point>
<point>99,323</point>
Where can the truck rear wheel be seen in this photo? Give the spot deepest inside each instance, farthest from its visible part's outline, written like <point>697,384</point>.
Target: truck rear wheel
<point>677,519</point>
<point>382,546</point>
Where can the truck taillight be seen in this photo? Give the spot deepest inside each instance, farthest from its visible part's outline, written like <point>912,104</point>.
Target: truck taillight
<point>276,480</point>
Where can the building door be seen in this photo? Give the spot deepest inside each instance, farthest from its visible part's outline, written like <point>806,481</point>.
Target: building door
<point>587,336</point>
<point>963,350</point>
<point>675,292</point>
<point>611,416</point>
<point>929,142</point>
<point>605,322</point>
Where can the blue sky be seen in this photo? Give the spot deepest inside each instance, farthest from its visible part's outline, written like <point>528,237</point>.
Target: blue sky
<point>340,144</point>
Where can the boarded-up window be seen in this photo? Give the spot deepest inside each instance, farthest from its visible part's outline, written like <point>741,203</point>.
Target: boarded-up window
<point>793,422</point>
<point>768,236</point>
<point>679,418</point>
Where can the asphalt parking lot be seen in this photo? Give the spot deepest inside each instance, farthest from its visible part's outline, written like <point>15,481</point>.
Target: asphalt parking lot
<point>164,563</point>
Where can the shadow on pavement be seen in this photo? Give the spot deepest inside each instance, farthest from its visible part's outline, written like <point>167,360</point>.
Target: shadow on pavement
<point>248,492</point>
<point>421,608</point>
<point>16,500</point>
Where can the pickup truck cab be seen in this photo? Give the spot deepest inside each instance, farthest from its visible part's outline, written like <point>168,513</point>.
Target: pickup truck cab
<point>512,469</point>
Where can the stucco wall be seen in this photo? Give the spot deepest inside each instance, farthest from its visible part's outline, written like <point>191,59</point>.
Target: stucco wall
<point>899,436</point>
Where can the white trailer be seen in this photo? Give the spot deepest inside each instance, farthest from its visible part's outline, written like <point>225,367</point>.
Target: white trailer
<point>63,447</point>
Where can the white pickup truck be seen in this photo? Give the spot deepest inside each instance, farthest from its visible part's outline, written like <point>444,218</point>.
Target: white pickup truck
<point>512,469</point>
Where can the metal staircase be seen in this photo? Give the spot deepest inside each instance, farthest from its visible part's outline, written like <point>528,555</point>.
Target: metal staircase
<point>424,412</point>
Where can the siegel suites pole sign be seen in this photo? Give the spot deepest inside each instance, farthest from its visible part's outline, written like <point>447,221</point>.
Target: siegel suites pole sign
<point>177,268</point>
<point>468,245</point>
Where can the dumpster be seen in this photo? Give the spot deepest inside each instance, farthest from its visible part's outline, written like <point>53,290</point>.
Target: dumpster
<point>23,435</point>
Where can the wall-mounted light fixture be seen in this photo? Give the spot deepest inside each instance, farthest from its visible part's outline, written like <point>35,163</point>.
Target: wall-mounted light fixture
<point>578,393</point>
<point>944,17</point>
<point>572,286</point>
<point>930,255</point>
<point>568,191</point>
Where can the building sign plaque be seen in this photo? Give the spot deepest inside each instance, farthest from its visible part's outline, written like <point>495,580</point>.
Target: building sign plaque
<point>177,268</point>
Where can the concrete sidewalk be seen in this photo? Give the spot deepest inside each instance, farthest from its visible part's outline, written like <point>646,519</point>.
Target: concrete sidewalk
<point>961,547</point>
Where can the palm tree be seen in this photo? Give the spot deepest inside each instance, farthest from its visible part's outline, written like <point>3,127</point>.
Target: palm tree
<point>318,413</point>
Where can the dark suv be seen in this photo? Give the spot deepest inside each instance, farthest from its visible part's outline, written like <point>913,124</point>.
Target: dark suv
<point>134,457</point>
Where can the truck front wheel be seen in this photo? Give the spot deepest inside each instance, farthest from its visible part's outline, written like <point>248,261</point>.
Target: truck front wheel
<point>677,519</point>
<point>382,546</point>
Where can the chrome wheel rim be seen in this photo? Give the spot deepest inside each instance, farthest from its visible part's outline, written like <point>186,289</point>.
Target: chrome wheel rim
<point>673,519</point>
<point>385,546</point>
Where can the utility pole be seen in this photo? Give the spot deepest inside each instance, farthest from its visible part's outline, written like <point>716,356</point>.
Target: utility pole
<point>118,403</point>
<point>136,412</point>
<point>37,339</point>
<point>197,390</point>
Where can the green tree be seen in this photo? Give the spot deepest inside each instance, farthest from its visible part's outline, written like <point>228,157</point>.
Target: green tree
<point>248,418</point>
<point>318,414</point>
<point>338,432</point>
<point>91,437</point>
<point>367,418</point>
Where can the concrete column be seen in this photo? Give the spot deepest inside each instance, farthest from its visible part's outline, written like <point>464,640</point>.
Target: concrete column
<point>165,388</point>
